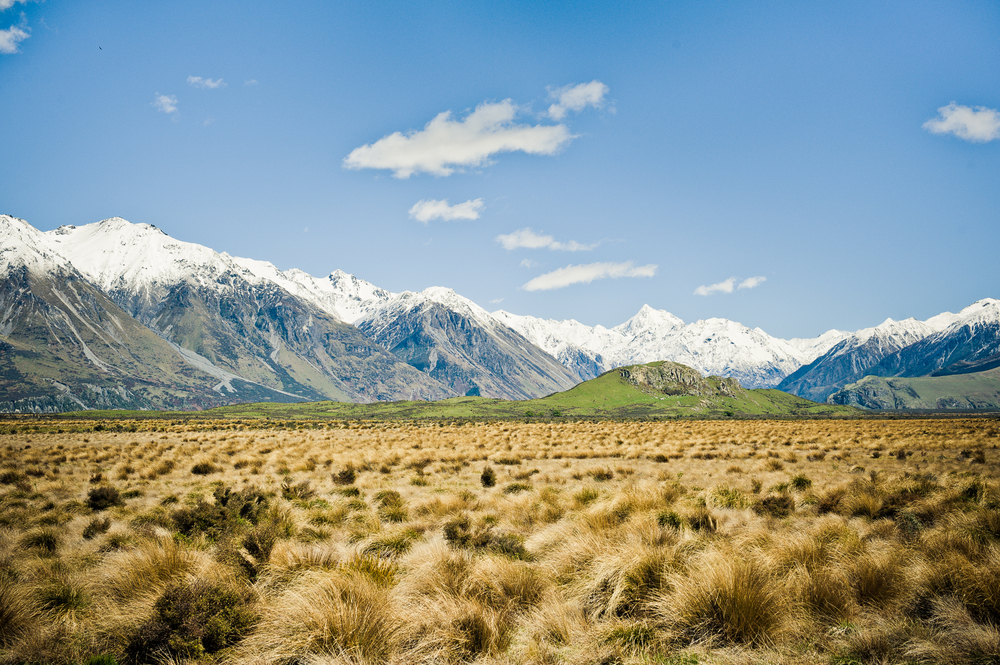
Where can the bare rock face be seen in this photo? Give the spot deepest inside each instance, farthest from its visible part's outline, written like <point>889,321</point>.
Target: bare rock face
<point>670,378</point>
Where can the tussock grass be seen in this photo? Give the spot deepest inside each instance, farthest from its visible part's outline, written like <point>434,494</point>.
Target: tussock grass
<point>327,613</point>
<point>346,542</point>
<point>727,599</point>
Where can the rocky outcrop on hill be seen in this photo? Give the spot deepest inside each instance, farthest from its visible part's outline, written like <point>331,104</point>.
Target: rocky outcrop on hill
<point>670,378</point>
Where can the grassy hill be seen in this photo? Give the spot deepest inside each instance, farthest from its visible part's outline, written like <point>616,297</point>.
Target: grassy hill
<point>657,390</point>
<point>978,391</point>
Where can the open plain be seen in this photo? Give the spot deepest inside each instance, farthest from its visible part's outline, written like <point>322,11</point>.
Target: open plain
<point>781,541</point>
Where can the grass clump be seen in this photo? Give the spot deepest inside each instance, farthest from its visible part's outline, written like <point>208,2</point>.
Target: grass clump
<point>45,541</point>
<point>724,598</point>
<point>328,613</point>
<point>488,478</point>
<point>193,619</point>
<point>103,497</point>
<point>19,611</point>
<point>774,505</point>
<point>204,469</point>
<point>346,476</point>
<point>461,532</point>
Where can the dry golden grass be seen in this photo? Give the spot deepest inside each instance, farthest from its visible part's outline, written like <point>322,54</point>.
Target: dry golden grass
<point>868,541</point>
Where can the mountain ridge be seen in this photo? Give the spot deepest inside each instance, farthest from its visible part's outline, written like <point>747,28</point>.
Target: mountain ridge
<point>249,326</point>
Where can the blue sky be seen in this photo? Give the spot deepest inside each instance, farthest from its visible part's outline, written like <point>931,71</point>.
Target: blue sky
<point>838,161</point>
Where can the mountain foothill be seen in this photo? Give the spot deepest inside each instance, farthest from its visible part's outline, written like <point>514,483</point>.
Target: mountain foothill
<point>116,315</point>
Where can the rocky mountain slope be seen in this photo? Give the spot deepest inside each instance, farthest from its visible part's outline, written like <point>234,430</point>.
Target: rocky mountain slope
<point>973,336</point>
<point>64,345</point>
<point>852,357</point>
<point>210,304</point>
<point>256,332</point>
<point>904,348</point>
<point>460,344</point>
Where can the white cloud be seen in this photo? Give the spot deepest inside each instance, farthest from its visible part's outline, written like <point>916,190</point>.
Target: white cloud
<point>524,238</point>
<point>528,239</point>
<point>528,263</point>
<point>752,282</point>
<point>165,103</point>
<point>426,210</point>
<point>199,82</point>
<point>10,38</point>
<point>978,124</point>
<point>445,144</point>
<point>250,82</point>
<point>7,4</point>
<point>721,287</point>
<point>576,98</point>
<point>726,286</point>
<point>496,301</point>
<point>584,274</point>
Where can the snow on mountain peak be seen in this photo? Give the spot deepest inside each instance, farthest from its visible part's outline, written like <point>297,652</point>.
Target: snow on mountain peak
<point>24,245</point>
<point>985,311</point>
<point>117,254</point>
<point>889,335</point>
<point>813,347</point>
<point>648,318</point>
<point>447,297</point>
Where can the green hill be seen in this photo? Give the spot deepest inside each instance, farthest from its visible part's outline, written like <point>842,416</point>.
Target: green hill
<point>973,391</point>
<point>657,390</point>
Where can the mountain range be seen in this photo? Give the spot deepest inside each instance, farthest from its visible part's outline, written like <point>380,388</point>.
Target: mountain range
<point>120,315</point>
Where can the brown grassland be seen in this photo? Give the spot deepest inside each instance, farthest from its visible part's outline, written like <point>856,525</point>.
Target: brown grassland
<point>819,541</point>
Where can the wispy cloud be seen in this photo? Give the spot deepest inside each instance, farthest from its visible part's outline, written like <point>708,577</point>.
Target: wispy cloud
<point>528,239</point>
<point>727,286</point>
<point>584,274</point>
<point>576,98</point>
<point>722,287</point>
<point>10,38</point>
<point>165,103</point>
<point>250,82</point>
<point>426,210</point>
<point>528,263</point>
<point>445,144</point>
<point>199,82</point>
<point>7,4</point>
<point>977,124</point>
<point>752,282</point>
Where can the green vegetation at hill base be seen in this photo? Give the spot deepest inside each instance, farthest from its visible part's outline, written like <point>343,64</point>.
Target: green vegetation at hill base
<point>607,396</point>
<point>610,395</point>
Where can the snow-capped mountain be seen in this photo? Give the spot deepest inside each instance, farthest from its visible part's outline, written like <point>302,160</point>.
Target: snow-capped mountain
<point>577,346</point>
<point>854,356</point>
<point>340,294</point>
<point>968,344</point>
<point>462,345</point>
<point>65,345</point>
<point>712,346</point>
<point>721,347</point>
<point>100,302</point>
<point>139,263</point>
<point>973,336</point>
<point>813,347</point>
<point>24,247</point>
<point>242,319</point>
